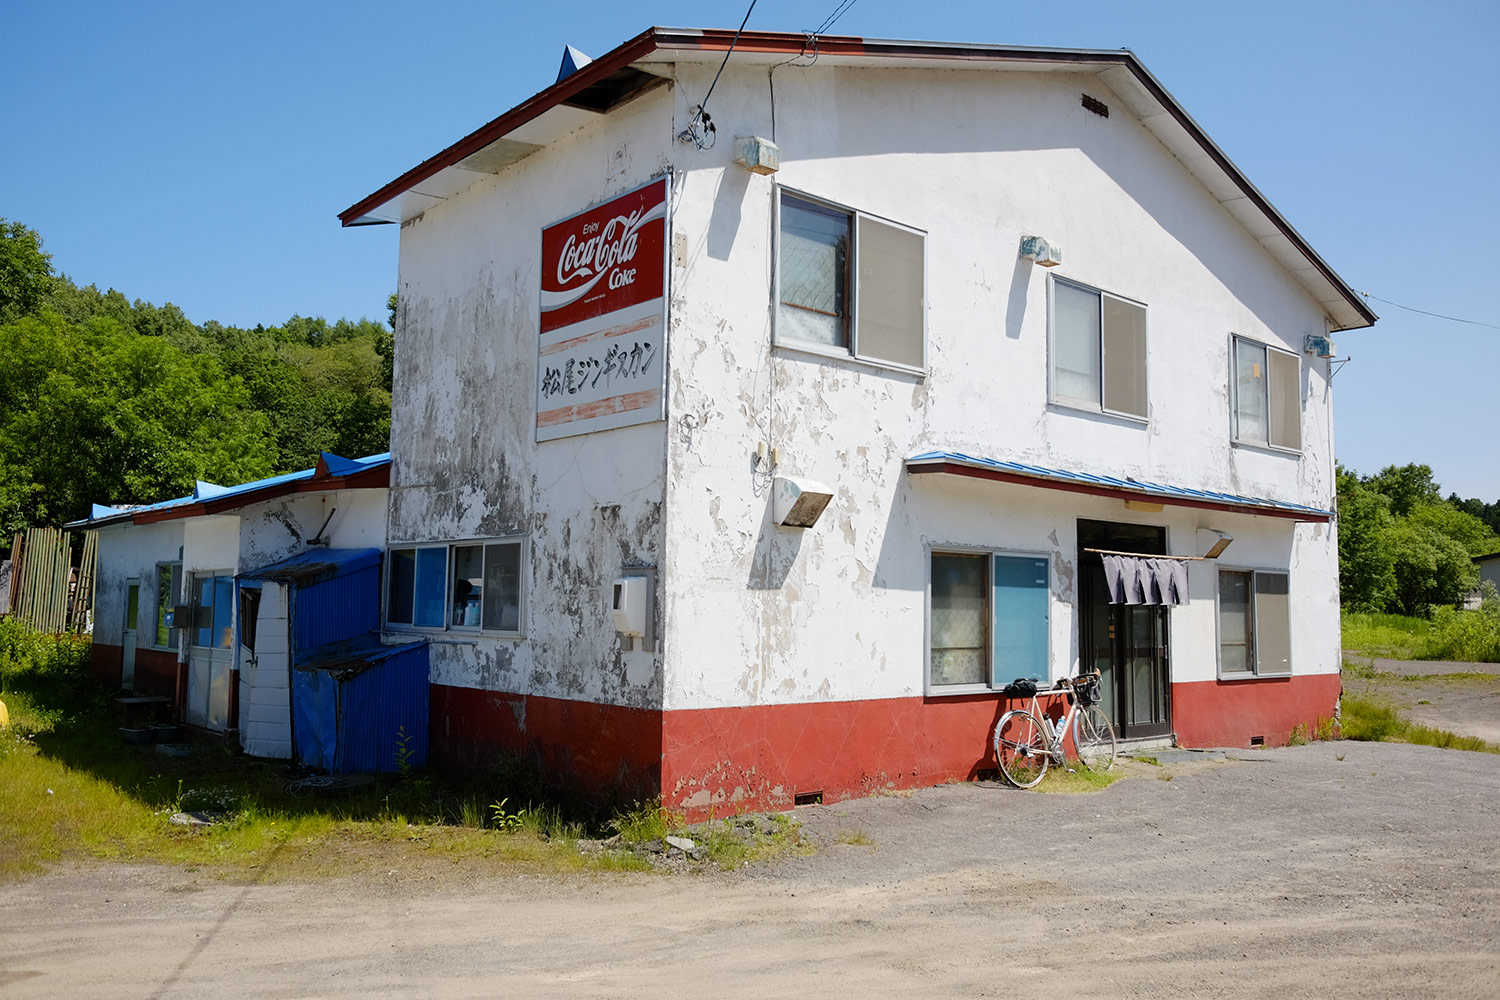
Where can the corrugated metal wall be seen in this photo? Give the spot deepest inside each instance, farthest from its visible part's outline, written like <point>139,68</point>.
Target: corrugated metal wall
<point>383,713</point>
<point>345,607</point>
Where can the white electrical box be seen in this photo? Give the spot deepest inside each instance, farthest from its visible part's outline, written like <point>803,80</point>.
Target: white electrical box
<point>630,597</point>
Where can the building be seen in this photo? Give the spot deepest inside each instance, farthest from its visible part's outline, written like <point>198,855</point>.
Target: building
<point>741,456</point>
<point>194,596</point>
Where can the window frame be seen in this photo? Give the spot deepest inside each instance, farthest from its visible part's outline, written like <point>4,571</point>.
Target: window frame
<point>1072,403</point>
<point>991,685</point>
<point>850,351</point>
<point>1235,339</point>
<point>1256,671</point>
<point>160,610</point>
<point>447,547</point>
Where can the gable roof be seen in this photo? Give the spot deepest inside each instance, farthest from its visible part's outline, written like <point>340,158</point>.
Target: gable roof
<point>597,87</point>
<point>332,472</point>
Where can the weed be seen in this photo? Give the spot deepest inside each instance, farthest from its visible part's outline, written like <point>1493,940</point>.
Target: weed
<point>1423,701</point>
<point>1165,776</point>
<point>857,838</point>
<point>644,822</point>
<point>1147,759</point>
<point>405,752</point>
<point>1298,737</point>
<point>1376,720</point>
<point>1078,780</point>
<point>509,822</point>
<point>1394,636</point>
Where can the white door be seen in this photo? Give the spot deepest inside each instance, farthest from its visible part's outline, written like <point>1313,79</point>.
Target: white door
<point>210,650</point>
<point>127,644</point>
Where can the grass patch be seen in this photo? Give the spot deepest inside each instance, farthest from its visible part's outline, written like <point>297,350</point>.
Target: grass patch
<point>1377,720</point>
<point>1079,780</point>
<point>1466,636</point>
<point>854,838</point>
<point>69,790</point>
<point>1396,637</point>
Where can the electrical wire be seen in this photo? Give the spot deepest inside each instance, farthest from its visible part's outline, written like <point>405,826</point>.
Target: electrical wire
<point>832,19</point>
<point>1424,312</point>
<point>690,134</point>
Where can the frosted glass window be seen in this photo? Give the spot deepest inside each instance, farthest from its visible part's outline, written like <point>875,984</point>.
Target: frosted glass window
<point>1285,403</point>
<point>1098,350</point>
<point>1235,653</point>
<point>1075,344</point>
<point>1250,423</point>
<point>960,612</point>
<point>1124,361</point>
<point>892,296</point>
<point>1254,623</point>
<point>851,282</point>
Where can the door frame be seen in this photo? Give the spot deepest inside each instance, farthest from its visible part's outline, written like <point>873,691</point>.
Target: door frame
<point>1129,537</point>
<point>130,634</point>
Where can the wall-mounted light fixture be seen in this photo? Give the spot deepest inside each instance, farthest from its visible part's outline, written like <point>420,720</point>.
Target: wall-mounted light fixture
<point>757,155</point>
<point>798,503</point>
<point>1034,248</point>
<point>1212,542</point>
<point>1319,346</point>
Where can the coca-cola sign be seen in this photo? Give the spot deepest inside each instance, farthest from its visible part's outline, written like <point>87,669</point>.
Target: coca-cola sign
<point>603,316</point>
<point>605,259</point>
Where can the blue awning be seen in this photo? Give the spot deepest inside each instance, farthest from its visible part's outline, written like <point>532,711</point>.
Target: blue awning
<point>314,565</point>
<point>955,463</point>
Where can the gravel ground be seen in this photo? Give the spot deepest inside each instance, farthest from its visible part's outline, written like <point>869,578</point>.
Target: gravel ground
<point>1335,869</point>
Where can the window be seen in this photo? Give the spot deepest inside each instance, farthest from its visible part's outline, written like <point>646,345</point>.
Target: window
<point>213,611</point>
<point>849,283</point>
<point>168,590</point>
<point>1098,350</point>
<point>1254,624</point>
<point>1267,396</point>
<point>987,621</point>
<point>471,585</point>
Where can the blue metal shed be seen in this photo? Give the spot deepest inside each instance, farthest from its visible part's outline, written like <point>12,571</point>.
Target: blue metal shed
<point>357,705</point>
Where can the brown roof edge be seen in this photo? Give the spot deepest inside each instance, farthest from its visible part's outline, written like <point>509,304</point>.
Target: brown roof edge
<point>375,478</point>
<point>522,113</point>
<point>718,40</point>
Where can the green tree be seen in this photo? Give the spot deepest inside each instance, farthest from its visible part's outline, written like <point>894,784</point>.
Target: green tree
<point>1405,485</point>
<point>25,271</point>
<point>1367,557</point>
<point>1430,569</point>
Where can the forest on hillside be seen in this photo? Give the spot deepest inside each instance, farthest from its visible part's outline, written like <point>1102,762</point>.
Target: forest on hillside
<point>108,400</point>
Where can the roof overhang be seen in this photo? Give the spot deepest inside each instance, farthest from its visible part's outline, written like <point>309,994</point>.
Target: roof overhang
<point>347,474</point>
<point>993,470</point>
<point>634,66</point>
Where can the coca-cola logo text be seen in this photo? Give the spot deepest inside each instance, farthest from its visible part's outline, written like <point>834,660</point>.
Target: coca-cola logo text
<point>603,246</point>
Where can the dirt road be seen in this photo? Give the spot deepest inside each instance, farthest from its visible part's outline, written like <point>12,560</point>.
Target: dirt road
<point>1338,870</point>
<point>1463,698</point>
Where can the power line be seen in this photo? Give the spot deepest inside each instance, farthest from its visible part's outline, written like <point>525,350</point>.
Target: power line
<point>690,134</point>
<point>832,19</point>
<point>1424,312</point>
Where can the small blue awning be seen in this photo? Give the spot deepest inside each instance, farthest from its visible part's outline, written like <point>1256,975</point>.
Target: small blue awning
<point>955,463</point>
<point>313,566</point>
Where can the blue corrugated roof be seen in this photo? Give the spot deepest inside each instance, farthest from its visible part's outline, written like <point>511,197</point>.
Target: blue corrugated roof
<point>316,564</point>
<point>212,491</point>
<point>1161,491</point>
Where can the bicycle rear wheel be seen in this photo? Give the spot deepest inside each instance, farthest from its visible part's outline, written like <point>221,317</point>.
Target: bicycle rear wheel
<point>1095,738</point>
<point>1021,748</point>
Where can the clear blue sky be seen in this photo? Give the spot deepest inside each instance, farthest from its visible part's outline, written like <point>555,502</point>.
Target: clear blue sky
<point>198,153</point>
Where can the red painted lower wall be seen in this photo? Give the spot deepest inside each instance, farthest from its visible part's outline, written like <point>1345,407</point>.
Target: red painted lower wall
<point>722,761</point>
<point>595,748</point>
<point>1229,713</point>
<point>105,663</point>
<point>728,760</point>
<point>156,670</point>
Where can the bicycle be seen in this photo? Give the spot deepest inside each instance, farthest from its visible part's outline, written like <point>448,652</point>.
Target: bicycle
<point>1027,742</point>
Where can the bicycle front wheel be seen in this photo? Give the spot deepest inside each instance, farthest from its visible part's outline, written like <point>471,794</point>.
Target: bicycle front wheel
<point>1095,738</point>
<point>1021,748</point>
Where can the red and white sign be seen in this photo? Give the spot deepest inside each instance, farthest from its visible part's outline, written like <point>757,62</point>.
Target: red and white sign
<point>603,316</point>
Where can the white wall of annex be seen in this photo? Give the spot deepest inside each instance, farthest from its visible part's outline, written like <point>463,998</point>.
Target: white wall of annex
<point>977,160</point>
<point>466,463</point>
<point>131,551</point>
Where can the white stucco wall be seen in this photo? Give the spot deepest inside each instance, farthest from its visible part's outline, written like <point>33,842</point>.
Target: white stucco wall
<point>126,552</point>
<point>466,463</point>
<point>759,614</point>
